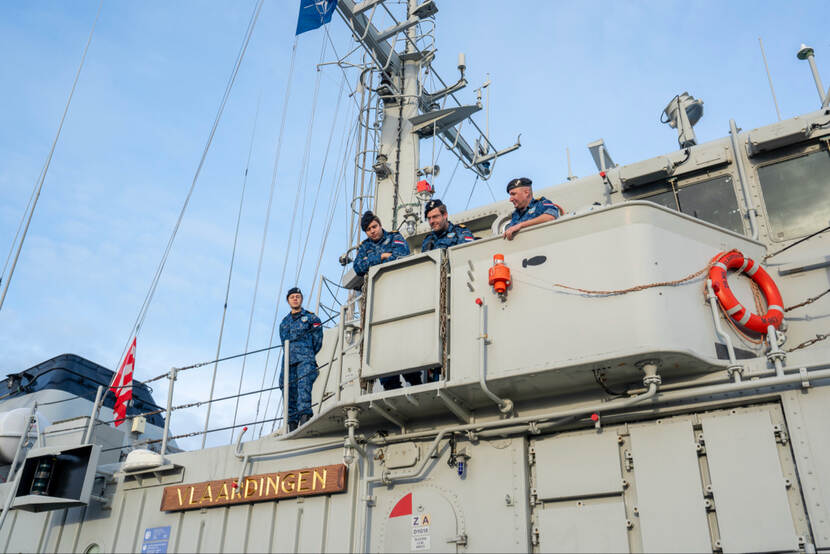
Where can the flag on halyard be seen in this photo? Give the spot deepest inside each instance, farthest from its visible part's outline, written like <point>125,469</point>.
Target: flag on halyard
<point>314,14</point>
<point>122,385</point>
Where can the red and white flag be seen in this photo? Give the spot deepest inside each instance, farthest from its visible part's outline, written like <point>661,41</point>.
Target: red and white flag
<point>122,385</point>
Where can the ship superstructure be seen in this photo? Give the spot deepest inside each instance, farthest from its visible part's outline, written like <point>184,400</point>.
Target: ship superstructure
<point>604,402</point>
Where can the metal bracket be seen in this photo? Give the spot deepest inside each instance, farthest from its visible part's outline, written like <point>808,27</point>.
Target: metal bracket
<point>399,422</point>
<point>454,406</point>
<point>781,436</point>
<point>460,540</point>
<point>731,370</point>
<point>629,460</point>
<point>805,382</point>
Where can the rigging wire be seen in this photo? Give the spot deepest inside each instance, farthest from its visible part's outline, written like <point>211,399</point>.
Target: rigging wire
<point>472,190</point>
<point>311,295</point>
<point>332,208</point>
<point>306,163</point>
<point>304,166</point>
<point>17,233</point>
<point>447,189</point>
<point>39,187</point>
<point>267,215</point>
<point>233,258</point>
<point>142,314</point>
<point>320,182</point>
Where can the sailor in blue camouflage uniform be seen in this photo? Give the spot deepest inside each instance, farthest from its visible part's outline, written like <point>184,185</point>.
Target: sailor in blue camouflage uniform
<point>304,332</point>
<point>380,246</point>
<point>528,211</point>
<point>444,233</point>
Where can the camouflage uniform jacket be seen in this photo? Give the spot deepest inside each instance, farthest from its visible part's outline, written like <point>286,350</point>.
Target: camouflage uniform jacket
<point>368,254</point>
<point>305,333</point>
<point>536,208</point>
<point>452,235</point>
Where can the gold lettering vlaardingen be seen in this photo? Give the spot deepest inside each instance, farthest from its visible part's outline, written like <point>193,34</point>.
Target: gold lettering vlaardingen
<point>255,488</point>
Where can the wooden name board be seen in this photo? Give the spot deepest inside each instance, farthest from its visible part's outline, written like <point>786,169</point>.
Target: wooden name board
<point>255,488</point>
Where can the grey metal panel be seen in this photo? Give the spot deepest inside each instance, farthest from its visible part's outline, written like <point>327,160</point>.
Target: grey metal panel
<point>187,535</point>
<point>260,522</point>
<point>397,293</point>
<point>237,528</point>
<point>647,171</point>
<point>807,413</point>
<point>69,537</point>
<point>413,339</point>
<point>312,531</point>
<point>669,489</point>
<point>338,519</point>
<point>402,315</point>
<point>630,244</point>
<point>487,504</point>
<point>577,527</point>
<point>25,531</point>
<point>779,134</point>
<point>284,528</point>
<point>395,534</point>
<point>215,528</point>
<point>130,517</point>
<point>570,466</point>
<point>750,498</point>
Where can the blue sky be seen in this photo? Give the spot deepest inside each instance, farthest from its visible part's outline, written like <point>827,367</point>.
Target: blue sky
<point>564,74</point>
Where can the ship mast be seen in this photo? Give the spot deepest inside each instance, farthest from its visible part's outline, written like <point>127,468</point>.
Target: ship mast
<point>410,112</point>
<point>399,146</point>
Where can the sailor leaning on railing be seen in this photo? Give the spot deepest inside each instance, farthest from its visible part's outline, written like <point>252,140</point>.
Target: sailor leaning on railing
<point>529,211</point>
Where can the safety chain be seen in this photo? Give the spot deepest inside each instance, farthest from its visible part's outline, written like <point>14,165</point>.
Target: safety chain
<point>395,198</point>
<point>806,343</point>
<point>649,285</point>
<point>362,304</point>
<point>443,312</point>
<point>808,301</point>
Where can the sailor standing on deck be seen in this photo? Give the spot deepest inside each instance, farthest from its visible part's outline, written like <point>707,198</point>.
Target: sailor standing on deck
<point>304,333</point>
<point>444,233</point>
<point>528,211</point>
<point>382,246</point>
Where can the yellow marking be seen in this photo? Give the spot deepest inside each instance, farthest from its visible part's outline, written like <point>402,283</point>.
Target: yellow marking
<point>248,484</point>
<point>272,483</point>
<point>322,479</point>
<point>285,480</point>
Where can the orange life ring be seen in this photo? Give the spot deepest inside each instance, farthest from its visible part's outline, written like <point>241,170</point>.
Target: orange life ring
<point>734,309</point>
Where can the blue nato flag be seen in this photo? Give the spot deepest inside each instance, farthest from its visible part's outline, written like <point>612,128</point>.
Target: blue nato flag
<point>314,14</point>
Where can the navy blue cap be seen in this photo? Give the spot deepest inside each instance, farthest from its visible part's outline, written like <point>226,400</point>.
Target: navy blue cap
<point>431,205</point>
<point>518,182</point>
<point>293,290</point>
<point>367,219</point>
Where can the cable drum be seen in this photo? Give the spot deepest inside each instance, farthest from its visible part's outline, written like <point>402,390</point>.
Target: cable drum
<point>729,303</point>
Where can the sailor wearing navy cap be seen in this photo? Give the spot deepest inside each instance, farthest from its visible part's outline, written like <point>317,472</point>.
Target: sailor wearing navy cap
<point>528,211</point>
<point>304,333</point>
<point>444,233</point>
<point>380,246</point>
